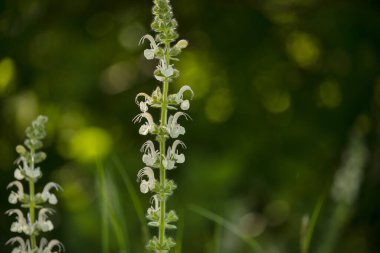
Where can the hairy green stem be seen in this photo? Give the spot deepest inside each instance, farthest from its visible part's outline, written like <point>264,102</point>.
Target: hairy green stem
<point>32,205</point>
<point>162,141</point>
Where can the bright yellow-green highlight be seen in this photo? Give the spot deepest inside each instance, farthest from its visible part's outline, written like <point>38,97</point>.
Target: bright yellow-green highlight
<point>89,144</point>
<point>195,72</point>
<point>7,73</point>
<point>303,49</point>
<point>329,94</point>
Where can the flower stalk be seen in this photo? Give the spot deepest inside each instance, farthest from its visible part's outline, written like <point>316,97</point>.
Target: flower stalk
<point>37,221</point>
<point>165,158</point>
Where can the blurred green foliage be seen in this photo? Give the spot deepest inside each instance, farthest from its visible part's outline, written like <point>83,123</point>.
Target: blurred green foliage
<point>280,86</point>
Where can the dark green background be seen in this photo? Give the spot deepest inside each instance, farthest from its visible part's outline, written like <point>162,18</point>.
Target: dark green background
<point>280,86</point>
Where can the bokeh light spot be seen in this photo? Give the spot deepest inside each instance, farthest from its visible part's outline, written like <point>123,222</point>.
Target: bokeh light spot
<point>219,106</point>
<point>7,73</point>
<point>329,94</point>
<point>89,144</point>
<point>303,49</point>
<point>276,101</point>
<point>117,78</point>
<point>196,71</point>
<point>130,36</point>
<point>277,212</point>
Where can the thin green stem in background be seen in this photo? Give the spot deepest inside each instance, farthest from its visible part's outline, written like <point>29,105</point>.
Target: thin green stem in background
<point>217,237</point>
<point>305,244</point>
<point>227,225</point>
<point>104,208</point>
<point>180,231</point>
<point>133,195</point>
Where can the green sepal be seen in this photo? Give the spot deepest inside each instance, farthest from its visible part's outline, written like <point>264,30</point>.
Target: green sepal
<point>154,244</point>
<point>171,217</point>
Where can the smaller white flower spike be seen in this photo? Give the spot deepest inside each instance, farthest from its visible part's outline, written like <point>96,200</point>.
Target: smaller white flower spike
<point>18,196</point>
<point>149,184</point>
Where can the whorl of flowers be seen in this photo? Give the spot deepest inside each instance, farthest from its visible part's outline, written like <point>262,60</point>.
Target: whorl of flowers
<point>163,157</point>
<point>36,220</point>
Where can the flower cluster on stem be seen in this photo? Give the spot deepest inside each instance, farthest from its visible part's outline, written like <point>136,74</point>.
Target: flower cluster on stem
<point>37,214</point>
<point>161,156</point>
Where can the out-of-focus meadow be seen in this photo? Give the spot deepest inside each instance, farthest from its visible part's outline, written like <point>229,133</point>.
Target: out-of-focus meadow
<point>285,138</point>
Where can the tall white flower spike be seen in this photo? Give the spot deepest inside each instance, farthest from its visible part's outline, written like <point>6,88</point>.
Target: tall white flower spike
<point>27,171</point>
<point>146,185</point>
<point>164,47</point>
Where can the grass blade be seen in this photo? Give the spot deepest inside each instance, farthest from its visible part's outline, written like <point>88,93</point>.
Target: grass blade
<point>181,225</point>
<point>227,225</point>
<point>305,244</point>
<point>103,206</point>
<point>133,195</point>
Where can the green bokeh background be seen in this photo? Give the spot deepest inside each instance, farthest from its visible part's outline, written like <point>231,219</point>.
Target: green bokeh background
<point>281,87</point>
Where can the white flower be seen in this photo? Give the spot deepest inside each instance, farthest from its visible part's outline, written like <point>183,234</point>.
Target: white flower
<point>143,104</point>
<point>50,246</point>
<point>174,129</point>
<point>155,207</point>
<point>163,71</point>
<point>172,156</point>
<point>185,104</point>
<point>179,158</point>
<point>150,157</point>
<point>47,196</point>
<point>167,72</point>
<point>43,224</point>
<point>20,225</point>
<point>24,247</point>
<point>146,185</point>
<point>149,126</point>
<point>14,197</point>
<point>25,170</point>
<point>18,174</point>
<point>33,173</point>
<point>149,53</point>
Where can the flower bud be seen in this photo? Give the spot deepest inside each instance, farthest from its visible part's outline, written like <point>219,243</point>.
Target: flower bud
<point>182,44</point>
